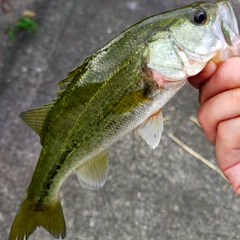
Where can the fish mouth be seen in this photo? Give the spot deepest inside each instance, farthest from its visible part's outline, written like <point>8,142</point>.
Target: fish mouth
<point>225,28</point>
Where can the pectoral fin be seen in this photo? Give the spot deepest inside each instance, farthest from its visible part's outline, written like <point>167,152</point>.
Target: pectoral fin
<point>93,173</point>
<point>151,129</point>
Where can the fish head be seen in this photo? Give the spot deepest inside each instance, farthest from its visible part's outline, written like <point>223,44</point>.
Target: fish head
<point>225,28</point>
<point>210,32</point>
<point>199,33</point>
<point>192,36</point>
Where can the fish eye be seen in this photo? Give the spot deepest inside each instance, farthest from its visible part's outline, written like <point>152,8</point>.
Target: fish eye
<point>200,16</point>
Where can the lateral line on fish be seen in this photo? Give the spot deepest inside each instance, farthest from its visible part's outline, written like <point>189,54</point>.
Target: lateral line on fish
<point>52,174</point>
<point>198,156</point>
<point>94,96</point>
<point>104,84</point>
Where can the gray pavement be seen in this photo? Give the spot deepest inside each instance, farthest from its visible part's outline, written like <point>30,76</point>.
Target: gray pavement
<point>150,194</point>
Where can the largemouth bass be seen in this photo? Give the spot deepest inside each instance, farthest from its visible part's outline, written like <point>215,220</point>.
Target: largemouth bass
<point>121,87</point>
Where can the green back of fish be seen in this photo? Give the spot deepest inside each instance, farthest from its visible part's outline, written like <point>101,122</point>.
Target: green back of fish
<point>98,84</point>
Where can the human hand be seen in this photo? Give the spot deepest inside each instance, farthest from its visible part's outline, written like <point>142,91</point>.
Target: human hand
<point>219,114</point>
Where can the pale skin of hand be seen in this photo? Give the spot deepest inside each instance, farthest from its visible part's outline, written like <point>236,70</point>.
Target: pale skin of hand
<point>219,114</point>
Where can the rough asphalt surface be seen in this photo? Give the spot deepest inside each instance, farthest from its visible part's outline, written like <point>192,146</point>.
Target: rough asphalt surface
<point>150,194</point>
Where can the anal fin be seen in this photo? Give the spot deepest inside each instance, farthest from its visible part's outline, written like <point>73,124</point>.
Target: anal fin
<point>92,174</point>
<point>151,129</point>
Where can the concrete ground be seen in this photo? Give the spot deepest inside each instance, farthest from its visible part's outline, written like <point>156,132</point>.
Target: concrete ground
<point>150,194</point>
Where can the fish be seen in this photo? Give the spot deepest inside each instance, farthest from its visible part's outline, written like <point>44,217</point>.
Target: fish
<point>121,87</point>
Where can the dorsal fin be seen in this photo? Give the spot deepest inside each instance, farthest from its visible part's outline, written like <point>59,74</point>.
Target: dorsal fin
<point>77,71</point>
<point>35,117</point>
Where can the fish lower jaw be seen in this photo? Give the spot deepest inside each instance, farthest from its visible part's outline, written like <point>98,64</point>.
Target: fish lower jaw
<point>226,54</point>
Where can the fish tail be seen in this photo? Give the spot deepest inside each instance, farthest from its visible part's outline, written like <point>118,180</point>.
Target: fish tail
<point>32,214</point>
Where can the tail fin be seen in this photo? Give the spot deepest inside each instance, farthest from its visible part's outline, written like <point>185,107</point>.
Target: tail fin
<point>31,215</point>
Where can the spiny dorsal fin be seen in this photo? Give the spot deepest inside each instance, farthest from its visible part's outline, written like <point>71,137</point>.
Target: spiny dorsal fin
<point>36,117</point>
<point>77,71</point>
<point>93,173</point>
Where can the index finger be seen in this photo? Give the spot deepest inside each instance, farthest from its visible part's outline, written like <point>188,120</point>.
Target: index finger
<point>227,77</point>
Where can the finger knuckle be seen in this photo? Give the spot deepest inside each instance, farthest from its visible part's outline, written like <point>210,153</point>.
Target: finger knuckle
<point>222,130</point>
<point>236,96</point>
<point>201,116</point>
